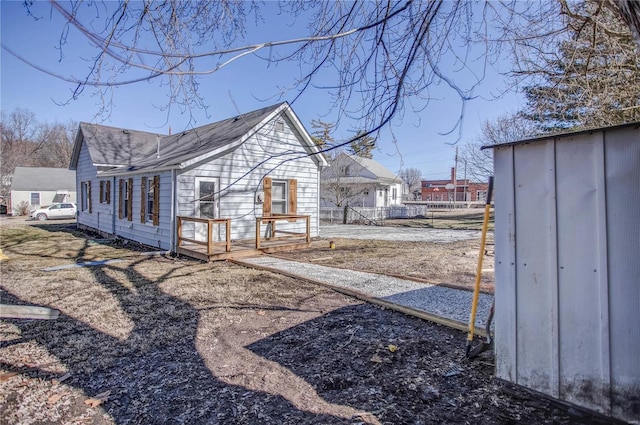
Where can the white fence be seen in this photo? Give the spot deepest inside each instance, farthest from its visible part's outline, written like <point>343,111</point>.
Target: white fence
<point>360,214</point>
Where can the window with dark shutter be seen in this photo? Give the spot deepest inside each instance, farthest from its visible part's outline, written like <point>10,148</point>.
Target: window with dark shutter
<point>143,199</point>
<point>130,199</point>
<point>266,205</point>
<point>89,195</point>
<point>156,200</point>
<point>108,192</point>
<point>121,195</point>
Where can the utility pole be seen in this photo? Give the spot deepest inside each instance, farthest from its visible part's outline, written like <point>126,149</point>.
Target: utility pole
<point>455,181</point>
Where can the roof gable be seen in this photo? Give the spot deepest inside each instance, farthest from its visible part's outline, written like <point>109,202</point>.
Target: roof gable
<point>146,151</point>
<point>365,167</point>
<point>111,146</point>
<point>43,178</point>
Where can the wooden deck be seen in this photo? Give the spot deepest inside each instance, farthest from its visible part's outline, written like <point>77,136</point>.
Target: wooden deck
<point>211,250</point>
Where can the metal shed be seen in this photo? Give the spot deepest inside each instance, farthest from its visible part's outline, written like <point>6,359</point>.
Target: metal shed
<point>567,267</point>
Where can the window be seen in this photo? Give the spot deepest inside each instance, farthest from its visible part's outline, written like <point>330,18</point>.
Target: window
<point>344,170</point>
<point>35,198</point>
<point>394,193</point>
<point>85,196</point>
<point>280,196</point>
<point>105,192</point>
<point>125,195</point>
<point>149,202</point>
<point>207,199</point>
<point>279,126</point>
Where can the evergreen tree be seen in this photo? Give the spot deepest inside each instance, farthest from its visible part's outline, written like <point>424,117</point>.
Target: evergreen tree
<point>362,146</point>
<point>592,80</point>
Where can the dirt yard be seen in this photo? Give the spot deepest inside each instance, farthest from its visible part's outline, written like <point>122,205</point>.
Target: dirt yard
<point>152,340</point>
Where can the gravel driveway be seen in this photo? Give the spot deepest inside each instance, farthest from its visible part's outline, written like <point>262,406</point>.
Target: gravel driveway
<point>442,301</point>
<point>354,231</point>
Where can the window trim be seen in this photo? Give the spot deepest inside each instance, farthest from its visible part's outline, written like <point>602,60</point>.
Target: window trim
<point>196,194</point>
<point>125,196</point>
<point>31,198</point>
<point>291,194</point>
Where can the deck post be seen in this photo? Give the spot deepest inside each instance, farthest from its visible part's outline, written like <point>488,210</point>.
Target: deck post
<point>258,232</point>
<point>179,231</point>
<point>273,229</point>
<point>209,237</point>
<point>308,229</point>
<point>228,233</point>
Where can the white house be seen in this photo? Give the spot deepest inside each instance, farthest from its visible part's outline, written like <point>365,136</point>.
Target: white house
<point>135,184</point>
<point>359,182</point>
<point>39,186</point>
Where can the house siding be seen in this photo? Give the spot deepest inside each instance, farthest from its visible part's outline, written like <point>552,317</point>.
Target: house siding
<point>100,217</point>
<point>240,184</point>
<point>46,198</point>
<point>145,233</point>
<point>104,216</point>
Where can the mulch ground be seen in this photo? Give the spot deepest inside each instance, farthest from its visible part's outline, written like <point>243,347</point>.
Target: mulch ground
<point>162,340</point>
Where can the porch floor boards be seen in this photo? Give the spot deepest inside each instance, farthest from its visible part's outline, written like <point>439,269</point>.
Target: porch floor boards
<point>240,249</point>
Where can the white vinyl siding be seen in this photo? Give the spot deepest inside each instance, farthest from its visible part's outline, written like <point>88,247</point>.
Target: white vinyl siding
<point>100,216</point>
<point>146,233</point>
<point>237,202</point>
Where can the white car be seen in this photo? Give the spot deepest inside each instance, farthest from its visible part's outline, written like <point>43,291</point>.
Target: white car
<point>64,210</point>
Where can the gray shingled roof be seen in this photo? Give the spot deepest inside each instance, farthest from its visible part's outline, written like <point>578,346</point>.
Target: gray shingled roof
<point>117,146</point>
<point>138,149</point>
<point>186,145</point>
<point>375,167</point>
<point>43,179</point>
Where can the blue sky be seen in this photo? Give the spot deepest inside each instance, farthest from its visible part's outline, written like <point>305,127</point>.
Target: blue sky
<point>245,85</point>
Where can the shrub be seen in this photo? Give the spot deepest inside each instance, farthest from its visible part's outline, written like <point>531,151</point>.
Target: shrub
<point>22,208</point>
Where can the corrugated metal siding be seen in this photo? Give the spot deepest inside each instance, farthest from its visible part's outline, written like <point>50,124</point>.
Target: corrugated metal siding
<point>278,155</point>
<point>567,270</point>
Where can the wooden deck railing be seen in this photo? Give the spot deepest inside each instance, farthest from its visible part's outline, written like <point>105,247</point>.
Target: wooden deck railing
<point>210,222</point>
<point>273,219</point>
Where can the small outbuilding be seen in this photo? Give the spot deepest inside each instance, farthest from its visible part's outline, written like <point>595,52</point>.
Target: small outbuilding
<point>231,180</point>
<point>567,267</point>
<point>33,187</point>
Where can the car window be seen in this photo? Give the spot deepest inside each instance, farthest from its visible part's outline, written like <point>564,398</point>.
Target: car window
<point>54,207</point>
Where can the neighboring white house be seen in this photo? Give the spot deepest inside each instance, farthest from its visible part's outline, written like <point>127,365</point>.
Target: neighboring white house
<point>567,269</point>
<point>134,184</point>
<point>40,186</point>
<point>359,182</point>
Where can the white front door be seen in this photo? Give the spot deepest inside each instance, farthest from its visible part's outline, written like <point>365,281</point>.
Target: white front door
<point>207,205</point>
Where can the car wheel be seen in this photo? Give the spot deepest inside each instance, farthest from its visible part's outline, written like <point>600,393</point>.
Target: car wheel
<point>41,217</point>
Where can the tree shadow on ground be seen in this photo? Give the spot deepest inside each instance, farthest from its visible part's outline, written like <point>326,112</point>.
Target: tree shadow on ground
<point>155,374</point>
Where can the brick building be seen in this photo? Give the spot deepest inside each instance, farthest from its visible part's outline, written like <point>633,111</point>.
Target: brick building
<point>443,190</point>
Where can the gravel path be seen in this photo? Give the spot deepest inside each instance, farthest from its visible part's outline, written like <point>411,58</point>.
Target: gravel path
<point>446,302</point>
<point>353,231</point>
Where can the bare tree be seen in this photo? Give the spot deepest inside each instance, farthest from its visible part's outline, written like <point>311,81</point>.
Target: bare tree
<point>340,184</point>
<point>322,133</point>
<point>591,80</point>
<point>382,57</point>
<point>509,128</point>
<point>26,142</point>
<point>378,54</point>
<point>413,178</point>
